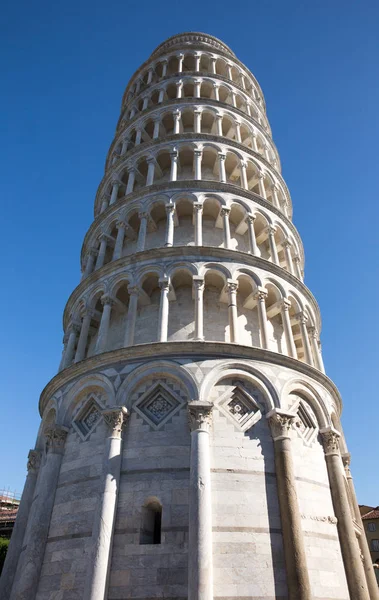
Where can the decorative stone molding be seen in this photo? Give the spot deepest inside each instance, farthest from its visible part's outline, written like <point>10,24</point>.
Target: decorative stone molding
<point>34,460</point>
<point>199,415</point>
<point>280,423</point>
<point>115,418</point>
<point>331,441</point>
<point>56,438</point>
<point>321,519</point>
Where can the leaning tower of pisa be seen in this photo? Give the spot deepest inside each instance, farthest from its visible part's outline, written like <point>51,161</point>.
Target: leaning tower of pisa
<point>190,445</point>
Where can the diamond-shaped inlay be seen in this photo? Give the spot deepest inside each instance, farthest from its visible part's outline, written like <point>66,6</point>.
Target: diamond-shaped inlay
<point>241,406</point>
<point>88,418</point>
<point>157,404</point>
<point>306,423</point>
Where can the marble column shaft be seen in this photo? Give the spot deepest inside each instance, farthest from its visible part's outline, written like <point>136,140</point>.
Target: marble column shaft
<point>18,532</point>
<point>200,560</point>
<point>103,528</point>
<point>298,583</point>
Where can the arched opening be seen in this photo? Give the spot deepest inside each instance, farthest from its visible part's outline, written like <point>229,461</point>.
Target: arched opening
<point>148,312</point>
<point>168,123</point>
<point>275,331</point>
<point>185,163</point>
<point>188,62</point>
<point>181,316</point>
<point>238,228</point>
<point>209,165</point>
<point>248,323</point>
<point>156,235</point>
<point>173,65</point>
<point>212,235</point>
<point>215,301</point>
<point>151,523</point>
<point>117,324</point>
<point>184,233</point>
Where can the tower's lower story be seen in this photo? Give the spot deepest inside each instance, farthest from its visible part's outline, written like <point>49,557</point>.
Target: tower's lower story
<point>179,470</point>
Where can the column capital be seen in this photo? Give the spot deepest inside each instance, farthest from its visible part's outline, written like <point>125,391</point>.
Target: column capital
<point>164,284</point>
<point>222,156</point>
<point>274,187</point>
<point>331,441</point>
<point>301,317</point>
<point>92,251</point>
<point>86,311</point>
<point>34,460</point>
<point>250,218</point>
<point>199,415</point>
<point>116,180</point>
<point>177,113</point>
<point>261,294</point>
<point>271,230</point>
<point>280,423</point>
<point>115,418</point>
<point>198,282</point>
<point>224,211</point>
<point>56,438</point>
<point>243,164</point>
<point>312,332</point>
<point>261,175</point>
<point>170,208</point>
<point>285,304</point>
<point>198,152</point>
<point>296,258</point>
<point>198,207</point>
<point>346,459</point>
<point>174,154</point>
<point>133,290</point>
<point>107,299</point>
<point>143,215</point>
<point>232,285</point>
<point>150,160</point>
<point>286,243</point>
<point>197,110</point>
<point>120,224</point>
<point>74,328</point>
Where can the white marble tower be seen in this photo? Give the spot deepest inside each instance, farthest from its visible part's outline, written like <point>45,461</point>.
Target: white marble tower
<point>190,446</point>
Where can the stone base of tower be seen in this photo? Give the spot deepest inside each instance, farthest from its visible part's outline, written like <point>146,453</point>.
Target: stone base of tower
<point>259,399</point>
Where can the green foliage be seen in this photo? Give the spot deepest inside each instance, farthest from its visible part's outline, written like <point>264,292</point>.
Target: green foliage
<point>4,543</point>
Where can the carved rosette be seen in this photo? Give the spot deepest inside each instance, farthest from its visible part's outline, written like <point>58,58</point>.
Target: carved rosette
<point>200,415</point>
<point>115,418</point>
<point>56,438</point>
<point>280,424</point>
<point>34,460</point>
<point>331,441</point>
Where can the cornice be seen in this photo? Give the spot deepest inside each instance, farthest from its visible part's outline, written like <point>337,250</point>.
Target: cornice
<point>188,36</point>
<point>185,102</point>
<point>192,137</point>
<point>202,253</point>
<point>175,350</point>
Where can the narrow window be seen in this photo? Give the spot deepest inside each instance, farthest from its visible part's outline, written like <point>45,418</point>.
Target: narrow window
<point>151,521</point>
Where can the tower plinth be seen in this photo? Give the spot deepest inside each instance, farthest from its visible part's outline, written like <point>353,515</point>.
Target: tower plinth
<point>190,444</point>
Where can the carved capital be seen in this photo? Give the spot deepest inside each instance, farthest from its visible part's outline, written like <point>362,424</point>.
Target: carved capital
<point>106,299</point>
<point>222,156</point>
<point>224,212</point>
<point>232,285</point>
<point>199,415</point>
<point>250,219</point>
<point>164,284</point>
<point>115,418</point>
<point>34,460</point>
<point>198,282</point>
<point>170,208</point>
<point>286,304</point>
<point>271,230</point>
<point>312,332</point>
<point>302,318</point>
<point>197,207</point>
<point>198,153</point>
<point>286,243</point>
<point>133,290</point>
<point>261,294</point>
<point>120,224</point>
<point>56,438</point>
<point>330,440</point>
<point>280,423</point>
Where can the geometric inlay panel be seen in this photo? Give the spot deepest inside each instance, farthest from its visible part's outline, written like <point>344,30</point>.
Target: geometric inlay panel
<point>240,406</point>
<point>87,418</point>
<point>306,423</point>
<point>158,404</point>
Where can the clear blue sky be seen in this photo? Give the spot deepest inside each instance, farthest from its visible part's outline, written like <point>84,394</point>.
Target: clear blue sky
<point>64,67</point>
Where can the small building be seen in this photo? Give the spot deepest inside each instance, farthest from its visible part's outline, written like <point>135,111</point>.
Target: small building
<point>370,520</point>
<point>9,503</point>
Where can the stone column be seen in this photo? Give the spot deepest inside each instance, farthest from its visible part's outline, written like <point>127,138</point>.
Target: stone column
<point>170,212</point>
<point>200,559</point>
<point>117,252</point>
<point>198,218</point>
<point>102,336</point>
<point>252,239</point>
<point>29,566</point>
<point>354,571</point>
<point>238,132</point>
<point>302,319</point>
<point>229,68</point>
<point>275,198</point>
<point>163,310</point>
<point>232,310</point>
<point>104,203</point>
<point>18,533</point>
<point>115,188</point>
<point>254,140</point>
<point>164,67</point>
<point>248,108</point>
<point>197,120</point>
<point>216,89</point>
<point>267,153</point>
<point>102,251</point>
<point>198,287</point>
<point>260,297</point>
<point>221,162</point>
<point>145,104</point>
<point>69,352</point>
<point>83,337</point>
<point>213,65</point>
<point>92,253</point>
<point>312,332</point>
<point>131,180</point>
<point>362,540</point>
<point>161,96</point>
<point>293,541</point>
<point>291,348</point>
<point>298,267</point>
<point>261,185</point>
<point>244,182</point>
<point>271,239</point>
<point>287,251</point>
<point>150,171</point>
<point>179,89</point>
<point>197,62</point>
<point>174,165</point>
<point>226,226</point>
<point>180,63</point>
<point>142,231</point>
<point>157,123</point>
<point>177,118</point>
<point>150,75</point>
<point>197,85</point>
<point>198,155</point>
<point>138,137</point>
<point>219,124</point>
<point>131,316</point>
<point>103,527</point>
